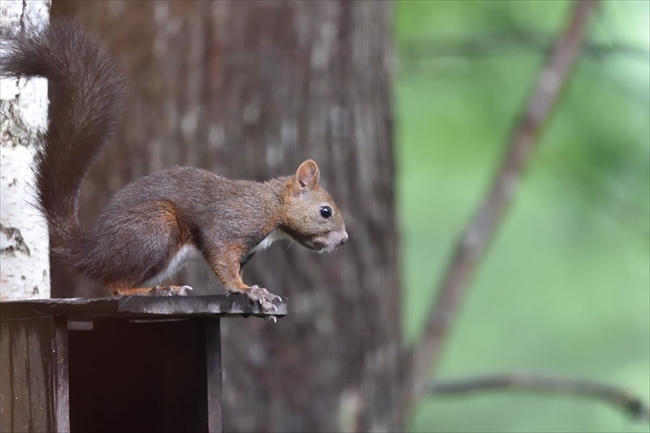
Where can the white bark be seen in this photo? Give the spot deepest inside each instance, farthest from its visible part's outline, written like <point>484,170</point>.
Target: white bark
<point>24,244</point>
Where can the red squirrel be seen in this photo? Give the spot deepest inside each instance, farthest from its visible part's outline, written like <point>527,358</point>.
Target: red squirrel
<point>151,227</point>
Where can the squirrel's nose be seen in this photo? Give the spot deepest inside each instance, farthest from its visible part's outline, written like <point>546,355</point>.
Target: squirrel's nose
<point>344,238</point>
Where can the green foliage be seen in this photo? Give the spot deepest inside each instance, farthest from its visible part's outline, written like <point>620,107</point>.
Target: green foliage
<point>566,285</point>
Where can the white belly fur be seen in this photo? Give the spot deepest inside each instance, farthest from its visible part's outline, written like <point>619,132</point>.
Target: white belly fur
<point>189,252</point>
<point>275,235</point>
<point>186,253</point>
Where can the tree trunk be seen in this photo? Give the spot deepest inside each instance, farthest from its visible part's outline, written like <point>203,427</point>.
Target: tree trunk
<point>24,246</point>
<point>250,90</point>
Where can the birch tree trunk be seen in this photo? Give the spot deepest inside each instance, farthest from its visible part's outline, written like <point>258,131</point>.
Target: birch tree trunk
<point>24,243</point>
<point>250,90</point>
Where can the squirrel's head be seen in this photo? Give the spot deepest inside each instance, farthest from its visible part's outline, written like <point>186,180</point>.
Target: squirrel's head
<point>311,217</point>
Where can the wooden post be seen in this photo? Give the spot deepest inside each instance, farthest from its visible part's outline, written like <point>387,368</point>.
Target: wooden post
<point>214,376</point>
<point>33,375</point>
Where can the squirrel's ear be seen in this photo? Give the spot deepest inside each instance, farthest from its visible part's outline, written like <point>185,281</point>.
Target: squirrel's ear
<point>308,174</point>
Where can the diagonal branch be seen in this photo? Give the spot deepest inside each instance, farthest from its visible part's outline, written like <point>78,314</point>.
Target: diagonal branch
<point>473,243</point>
<point>631,404</point>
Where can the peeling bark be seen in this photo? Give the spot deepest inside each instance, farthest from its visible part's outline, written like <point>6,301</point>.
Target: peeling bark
<point>24,245</point>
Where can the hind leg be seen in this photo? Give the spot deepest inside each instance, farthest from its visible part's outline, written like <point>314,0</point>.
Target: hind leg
<point>147,245</point>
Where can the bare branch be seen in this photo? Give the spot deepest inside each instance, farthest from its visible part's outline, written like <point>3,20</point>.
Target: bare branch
<point>511,43</point>
<point>631,404</point>
<point>475,239</point>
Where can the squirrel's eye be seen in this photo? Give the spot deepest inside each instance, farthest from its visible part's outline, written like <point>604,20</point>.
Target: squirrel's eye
<point>326,212</point>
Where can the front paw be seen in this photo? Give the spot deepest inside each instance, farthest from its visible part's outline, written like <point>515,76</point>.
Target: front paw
<point>170,291</point>
<point>264,297</point>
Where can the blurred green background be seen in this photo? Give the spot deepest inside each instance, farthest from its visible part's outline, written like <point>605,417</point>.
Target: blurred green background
<point>565,287</point>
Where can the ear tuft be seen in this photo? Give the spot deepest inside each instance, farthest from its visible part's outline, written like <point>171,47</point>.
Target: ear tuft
<point>308,174</point>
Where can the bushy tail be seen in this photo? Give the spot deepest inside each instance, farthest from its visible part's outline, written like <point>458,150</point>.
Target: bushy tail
<point>85,93</point>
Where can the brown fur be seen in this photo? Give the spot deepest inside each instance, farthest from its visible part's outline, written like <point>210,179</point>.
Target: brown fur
<point>130,291</point>
<point>151,220</point>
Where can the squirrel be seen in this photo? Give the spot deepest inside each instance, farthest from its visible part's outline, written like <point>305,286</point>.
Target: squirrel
<point>151,227</point>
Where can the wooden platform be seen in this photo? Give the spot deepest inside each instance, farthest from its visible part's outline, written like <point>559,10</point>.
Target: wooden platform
<point>117,364</point>
<point>138,307</point>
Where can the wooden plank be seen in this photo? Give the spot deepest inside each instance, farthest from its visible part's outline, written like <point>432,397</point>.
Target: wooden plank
<point>29,354</point>
<point>214,377</point>
<point>37,377</point>
<point>21,390</point>
<point>60,383</point>
<point>6,380</point>
<point>139,307</point>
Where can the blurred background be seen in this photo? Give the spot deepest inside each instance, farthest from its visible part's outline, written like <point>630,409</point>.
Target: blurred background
<point>407,107</point>
<point>565,286</point>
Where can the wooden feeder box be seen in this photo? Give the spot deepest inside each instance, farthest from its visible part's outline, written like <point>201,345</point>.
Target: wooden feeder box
<point>122,364</point>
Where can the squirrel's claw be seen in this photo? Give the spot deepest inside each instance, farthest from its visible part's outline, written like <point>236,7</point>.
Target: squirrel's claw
<point>264,297</point>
